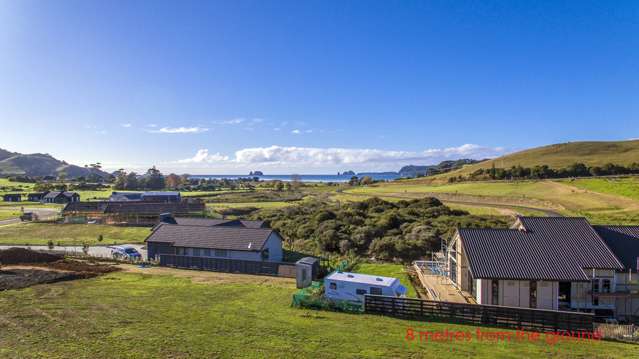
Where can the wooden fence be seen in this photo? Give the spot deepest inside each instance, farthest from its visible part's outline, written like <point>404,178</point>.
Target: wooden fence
<point>509,317</point>
<point>228,265</point>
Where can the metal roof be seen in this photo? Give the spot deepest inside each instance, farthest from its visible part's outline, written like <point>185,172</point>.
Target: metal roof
<point>209,222</point>
<point>543,248</point>
<point>362,278</point>
<point>217,237</point>
<point>623,241</point>
<point>131,207</point>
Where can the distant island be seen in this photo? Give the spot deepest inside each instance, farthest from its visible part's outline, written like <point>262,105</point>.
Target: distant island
<point>256,173</point>
<point>346,173</point>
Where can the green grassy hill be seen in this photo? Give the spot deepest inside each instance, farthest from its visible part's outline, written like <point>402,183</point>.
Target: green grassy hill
<point>562,155</point>
<point>38,164</point>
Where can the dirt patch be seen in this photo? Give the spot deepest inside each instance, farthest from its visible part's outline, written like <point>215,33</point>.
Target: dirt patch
<point>22,278</point>
<point>27,274</point>
<point>23,255</point>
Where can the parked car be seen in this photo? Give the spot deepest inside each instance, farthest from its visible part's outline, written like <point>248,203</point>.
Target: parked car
<point>125,252</point>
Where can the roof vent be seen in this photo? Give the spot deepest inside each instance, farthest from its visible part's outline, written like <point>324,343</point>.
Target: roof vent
<point>250,245</point>
<point>350,276</point>
<point>379,279</point>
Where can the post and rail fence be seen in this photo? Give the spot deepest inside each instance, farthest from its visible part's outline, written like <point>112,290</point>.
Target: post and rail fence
<point>539,320</point>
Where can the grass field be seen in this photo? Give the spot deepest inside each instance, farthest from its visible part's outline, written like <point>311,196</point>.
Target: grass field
<point>225,315</point>
<point>9,212</point>
<point>602,202</point>
<point>70,234</point>
<point>260,205</point>
<point>562,155</point>
<point>625,187</point>
<point>388,270</point>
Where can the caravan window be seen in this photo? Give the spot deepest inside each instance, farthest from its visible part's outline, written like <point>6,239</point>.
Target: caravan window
<point>333,285</point>
<point>360,291</point>
<point>376,291</point>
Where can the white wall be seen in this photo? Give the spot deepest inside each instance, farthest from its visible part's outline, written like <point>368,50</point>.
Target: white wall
<point>516,293</point>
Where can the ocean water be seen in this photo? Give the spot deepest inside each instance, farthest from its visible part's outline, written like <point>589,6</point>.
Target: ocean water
<point>305,178</point>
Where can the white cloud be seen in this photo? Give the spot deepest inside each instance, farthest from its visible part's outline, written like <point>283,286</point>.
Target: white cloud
<point>296,132</point>
<point>325,160</point>
<point>126,125</point>
<point>203,156</point>
<point>181,130</point>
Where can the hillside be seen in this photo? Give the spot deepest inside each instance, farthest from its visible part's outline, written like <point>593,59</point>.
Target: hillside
<point>38,164</point>
<point>562,155</point>
<point>442,167</point>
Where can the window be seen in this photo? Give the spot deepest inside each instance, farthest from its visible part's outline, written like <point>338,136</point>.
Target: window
<point>221,253</point>
<point>361,291</point>
<point>179,251</point>
<point>376,291</point>
<point>495,292</point>
<point>207,252</point>
<point>333,285</point>
<point>265,254</point>
<point>196,252</point>
<point>533,294</point>
<point>605,285</point>
<point>595,285</point>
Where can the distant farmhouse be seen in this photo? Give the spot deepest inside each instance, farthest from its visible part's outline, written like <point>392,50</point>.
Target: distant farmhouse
<point>12,197</point>
<point>129,213</point>
<point>61,197</point>
<point>154,196</point>
<point>552,263</point>
<point>36,197</point>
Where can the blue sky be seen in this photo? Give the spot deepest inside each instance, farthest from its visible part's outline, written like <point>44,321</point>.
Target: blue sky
<point>312,86</point>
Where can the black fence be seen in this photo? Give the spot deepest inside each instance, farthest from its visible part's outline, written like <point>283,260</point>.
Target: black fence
<point>226,265</point>
<point>489,315</point>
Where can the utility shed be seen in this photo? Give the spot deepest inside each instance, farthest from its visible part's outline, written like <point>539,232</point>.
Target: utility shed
<point>353,286</point>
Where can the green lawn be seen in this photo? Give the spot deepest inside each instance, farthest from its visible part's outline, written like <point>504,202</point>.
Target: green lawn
<point>626,187</point>
<point>70,234</point>
<point>157,316</point>
<point>388,270</point>
<point>9,212</point>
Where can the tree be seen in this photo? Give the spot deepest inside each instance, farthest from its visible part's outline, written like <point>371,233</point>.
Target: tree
<point>173,181</point>
<point>153,179</point>
<point>354,181</point>
<point>131,181</point>
<point>366,180</point>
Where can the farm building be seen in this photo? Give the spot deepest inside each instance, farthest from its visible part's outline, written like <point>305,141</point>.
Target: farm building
<point>61,197</point>
<point>36,197</point>
<point>541,262</point>
<point>154,196</point>
<point>12,197</point>
<point>125,196</point>
<point>129,213</point>
<point>353,286</point>
<point>161,196</point>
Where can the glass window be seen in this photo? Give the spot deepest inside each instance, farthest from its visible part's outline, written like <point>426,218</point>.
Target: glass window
<point>196,252</point>
<point>360,291</point>
<point>376,291</point>
<point>333,285</point>
<point>221,253</point>
<point>533,294</point>
<point>595,285</point>
<point>495,292</point>
<point>207,252</point>
<point>605,285</point>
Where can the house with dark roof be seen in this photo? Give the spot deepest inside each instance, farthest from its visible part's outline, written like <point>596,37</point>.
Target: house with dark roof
<point>12,197</point>
<point>623,241</point>
<point>161,196</point>
<point>553,263</point>
<point>36,196</point>
<point>61,197</point>
<point>216,241</point>
<point>210,222</point>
